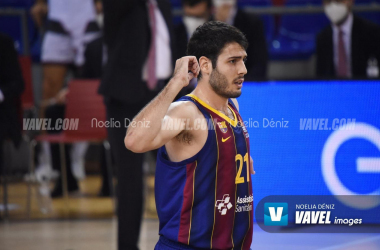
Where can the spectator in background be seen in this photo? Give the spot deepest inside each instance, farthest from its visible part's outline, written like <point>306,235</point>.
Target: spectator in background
<point>139,39</point>
<point>70,26</point>
<point>11,87</point>
<point>195,13</point>
<point>253,28</point>
<point>349,47</point>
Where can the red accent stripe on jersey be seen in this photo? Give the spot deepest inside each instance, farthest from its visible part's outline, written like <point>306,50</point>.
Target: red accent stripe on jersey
<point>248,236</point>
<point>187,205</point>
<point>223,224</point>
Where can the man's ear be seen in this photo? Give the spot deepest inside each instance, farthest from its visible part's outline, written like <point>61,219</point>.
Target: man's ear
<point>205,65</point>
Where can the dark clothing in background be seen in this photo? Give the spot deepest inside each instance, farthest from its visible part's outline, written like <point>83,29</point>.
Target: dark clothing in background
<point>12,86</point>
<point>55,112</point>
<point>182,39</point>
<point>129,187</point>
<point>127,38</point>
<point>365,44</point>
<point>92,68</point>
<point>253,28</point>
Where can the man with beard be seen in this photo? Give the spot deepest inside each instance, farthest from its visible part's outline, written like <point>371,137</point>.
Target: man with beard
<point>203,183</point>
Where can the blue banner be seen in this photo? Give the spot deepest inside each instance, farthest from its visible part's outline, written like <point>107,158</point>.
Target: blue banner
<point>315,138</point>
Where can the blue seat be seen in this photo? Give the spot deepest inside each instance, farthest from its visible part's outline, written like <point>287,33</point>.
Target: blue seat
<point>297,33</point>
<point>176,4</point>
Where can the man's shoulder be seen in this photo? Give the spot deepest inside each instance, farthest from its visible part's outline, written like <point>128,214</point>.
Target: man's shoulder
<point>184,109</point>
<point>324,33</point>
<point>366,23</point>
<point>365,26</point>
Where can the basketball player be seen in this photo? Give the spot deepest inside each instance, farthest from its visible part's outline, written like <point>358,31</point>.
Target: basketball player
<point>203,185</point>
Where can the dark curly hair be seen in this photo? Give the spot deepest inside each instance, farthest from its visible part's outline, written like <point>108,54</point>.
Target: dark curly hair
<point>210,38</point>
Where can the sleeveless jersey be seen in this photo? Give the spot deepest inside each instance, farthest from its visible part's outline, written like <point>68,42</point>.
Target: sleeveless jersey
<point>206,201</point>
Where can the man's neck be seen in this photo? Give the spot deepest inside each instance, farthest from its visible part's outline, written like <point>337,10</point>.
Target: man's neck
<point>205,92</point>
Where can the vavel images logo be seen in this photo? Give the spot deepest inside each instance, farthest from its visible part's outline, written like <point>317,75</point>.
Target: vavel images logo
<point>275,214</point>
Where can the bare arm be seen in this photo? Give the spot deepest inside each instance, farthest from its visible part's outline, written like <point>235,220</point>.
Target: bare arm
<point>144,138</point>
<point>39,11</point>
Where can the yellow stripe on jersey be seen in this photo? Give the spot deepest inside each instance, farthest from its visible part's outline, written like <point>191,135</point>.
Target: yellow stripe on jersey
<point>232,122</point>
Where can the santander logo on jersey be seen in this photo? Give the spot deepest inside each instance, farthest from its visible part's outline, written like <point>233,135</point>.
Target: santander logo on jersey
<point>244,204</point>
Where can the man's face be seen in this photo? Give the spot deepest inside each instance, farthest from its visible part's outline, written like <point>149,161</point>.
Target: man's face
<point>228,76</point>
<point>199,10</point>
<point>223,9</point>
<point>337,10</point>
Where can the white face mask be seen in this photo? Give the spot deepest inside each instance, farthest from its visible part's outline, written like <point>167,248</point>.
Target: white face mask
<point>218,3</point>
<point>192,23</point>
<point>336,11</point>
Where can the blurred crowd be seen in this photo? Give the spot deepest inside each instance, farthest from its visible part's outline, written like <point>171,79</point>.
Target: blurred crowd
<point>132,47</point>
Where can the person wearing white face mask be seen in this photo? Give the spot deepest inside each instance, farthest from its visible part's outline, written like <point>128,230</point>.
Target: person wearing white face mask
<point>253,28</point>
<point>195,13</point>
<point>349,47</point>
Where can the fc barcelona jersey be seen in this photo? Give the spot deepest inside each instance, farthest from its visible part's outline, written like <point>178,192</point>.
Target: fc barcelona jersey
<point>206,201</point>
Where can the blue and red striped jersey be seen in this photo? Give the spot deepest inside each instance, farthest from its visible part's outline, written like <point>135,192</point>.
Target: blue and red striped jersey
<point>206,201</point>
